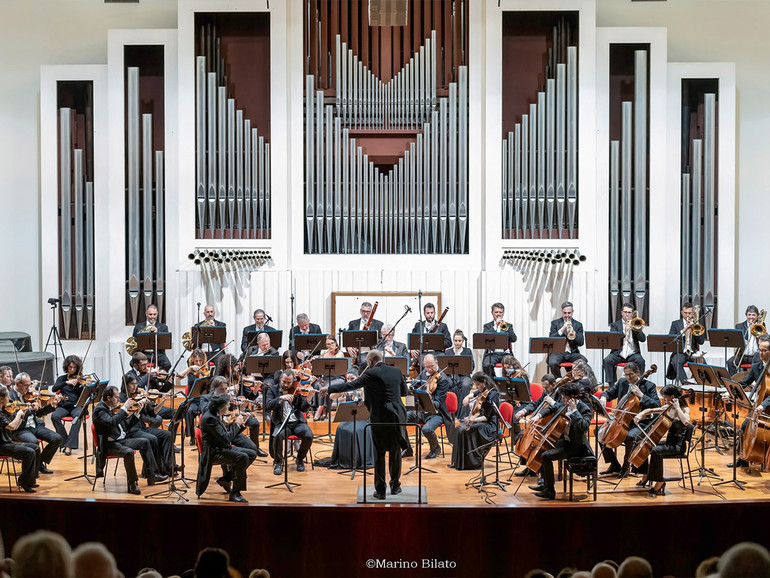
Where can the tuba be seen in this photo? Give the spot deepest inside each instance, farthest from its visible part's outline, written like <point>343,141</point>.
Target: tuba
<point>131,345</point>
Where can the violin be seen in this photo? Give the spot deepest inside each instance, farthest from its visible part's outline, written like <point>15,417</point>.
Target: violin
<point>86,380</point>
<point>432,383</point>
<point>15,406</point>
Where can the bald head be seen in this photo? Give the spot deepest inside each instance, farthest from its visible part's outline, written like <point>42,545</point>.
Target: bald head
<point>635,567</point>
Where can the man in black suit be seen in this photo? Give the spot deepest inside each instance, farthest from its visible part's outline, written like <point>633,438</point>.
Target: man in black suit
<point>148,379</point>
<point>431,421</point>
<point>573,443</point>
<point>629,347</point>
<point>287,418</point>
<point>493,357</point>
<point>152,325</point>
<point>260,324</point>
<point>303,327</point>
<point>383,388</point>
<point>389,346</point>
<point>689,345</point>
<point>360,323</point>
<point>749,349</point>
<point>112,429</point>
<point>209,320</point>
<point>26,453</point>
<point>429,325</point>
<point>572,331</point>
<point>33,427</point>
<point>647,394</point>
<point>217,447</point>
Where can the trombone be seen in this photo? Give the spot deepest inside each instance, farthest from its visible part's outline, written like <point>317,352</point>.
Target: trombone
<point>756,329</point>
<point>637,323</point>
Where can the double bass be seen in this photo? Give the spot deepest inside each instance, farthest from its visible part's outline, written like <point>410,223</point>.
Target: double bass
<point>613,432</point>
<point>756,437</point>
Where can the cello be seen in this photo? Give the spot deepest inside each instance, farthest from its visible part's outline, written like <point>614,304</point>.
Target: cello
<point>652,435</point>
<point>547,438</point>
<point>613,432</point>
<point>756,438</point>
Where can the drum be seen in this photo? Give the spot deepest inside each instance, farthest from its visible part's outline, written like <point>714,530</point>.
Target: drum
<point>697,398</point>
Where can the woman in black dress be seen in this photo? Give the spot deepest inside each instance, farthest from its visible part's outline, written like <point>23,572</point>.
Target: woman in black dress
<point>69,387</point>
<point>678,411</point>
<point>461,384</point>
<point>479,428</point>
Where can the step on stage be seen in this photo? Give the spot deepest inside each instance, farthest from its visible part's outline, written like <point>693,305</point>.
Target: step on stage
<point>321,530</point>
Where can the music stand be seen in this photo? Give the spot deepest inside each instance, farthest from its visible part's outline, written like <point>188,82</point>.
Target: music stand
<point>266,365</point>
<point>329,367</point>
<point>88,395</point>
<point>704,376</point>
<point>423,402</point>
<point>308,341</point>
<point>455,365</point>
<point>153,341</point>
<point>208,334</point>
<point>666,344</point>
<point>513,389</point>
<point>400,363</point>
<point>424,343</point>
<point>359,339</point>
<point>352,411</point>
<point>603,340</point>
<point>489,342</point>
<point>200,385</point>
<point>726,338</point>
<point>547,345</point>
<point>738,397</point>
<point>275,335</point>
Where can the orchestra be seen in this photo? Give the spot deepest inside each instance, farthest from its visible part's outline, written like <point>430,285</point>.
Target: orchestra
<point>291,398</point>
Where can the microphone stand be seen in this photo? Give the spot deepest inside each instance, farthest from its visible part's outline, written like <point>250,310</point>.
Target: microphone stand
<point>198,328</point>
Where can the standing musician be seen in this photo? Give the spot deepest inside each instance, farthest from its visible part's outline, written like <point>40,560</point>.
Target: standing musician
<point>210,321</point>
<point>745,355</point>
<point>152,325</point>
<point>360,323</point>
<point>303,327</point>
<point>390,347</point>
<point>647,394</point>
<point>259,325</point>
<point>629,348</point>
<point>548,382</point>
<point>69,387</point>
<point>33,427</point>
<point>461,384</point>
<point>290,408</point>
<point>497,325</point>
<point>572,331</point>
<point>217,446</point>
<point>479,428</point>
<point>383,388</point>
<point>675,408</point>
<point>573,443</point>
<point>26,453</point>
<point>429,326</point>
<point>431,377</point>
<point>112,430</point>
<point>689,344</point>
<point>144,423</point>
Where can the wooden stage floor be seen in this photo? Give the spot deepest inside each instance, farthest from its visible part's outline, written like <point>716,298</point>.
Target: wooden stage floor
<point>323,515</point>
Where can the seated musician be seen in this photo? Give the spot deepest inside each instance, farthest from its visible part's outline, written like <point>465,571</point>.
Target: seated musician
<point>26,453</point>
<point>152,325</point>
<point>512,369</point>
<point>689,344</point>
<point>211,321</point>
<point>303,327</point>
<point>144,423</point>
<point>217,446</point>
<point>461,384</point>
<point>431,421</point>
<point>69,385</point>
<point>287,418</point>
<point>6,376</point>
<point>244,388</point>
<point>647,394</point>
<point>197,368</point>
<point>548,382</point>
<point>493,356</point>
<point>359,324</point>
<point>572,330</point>
<point>677,410</point>
<point>476,432</point>
<point>389,346</point>
<point>261,349</point>
<point>151,378</point>
<point>33,427</point>
<point>332,348</point>
<point>431,325</point>
<point>745,355</point>
<point>258,326</point>
<point>629,347</point>
<point>112,429</point>
<point>574,440</point>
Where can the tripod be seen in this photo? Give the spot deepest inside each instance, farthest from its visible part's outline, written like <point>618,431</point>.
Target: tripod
<point>703,471</point>
<point>285,460</point>
<point>53,334</point>
<point>172,489</point>
<point>418,455</point>
<point>84,416</point>
<point>735,480</point>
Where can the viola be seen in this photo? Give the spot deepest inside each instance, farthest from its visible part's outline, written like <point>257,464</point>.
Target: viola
<point>15,406</point>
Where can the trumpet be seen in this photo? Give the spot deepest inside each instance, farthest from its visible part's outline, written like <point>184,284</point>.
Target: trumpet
<point>570,333</point>
<point>758,328</point>
<point>637,323</point>
<point>503,327</point>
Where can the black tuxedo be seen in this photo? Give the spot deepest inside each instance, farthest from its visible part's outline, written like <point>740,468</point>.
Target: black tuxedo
<point>383,388</point>
<point>162,361</point>
<point>431,421</point>
<point>217,447</point>
<point>574,443</point>
<point>253,327</point>
<point>614,357</point>
<point>754,374</point>
<point>355,325</point>
<point>28,453</point>
<point>679,358</point>
<point>492,357</point>
<point>112,431</point>
<point>147,425</point>
<point>443,330</point>
<point>296,426</point>
<point>312,329</point>
<point>732,363</point>
<point>555,359</point>
<point>33,428</point>
<point>461,384</point>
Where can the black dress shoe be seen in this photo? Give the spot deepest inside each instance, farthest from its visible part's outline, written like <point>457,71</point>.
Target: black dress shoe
<point>395,491</point>
<point>740,463</point>
<point>177,450</point>
<point>133,488</point>
<point>613,469</point>
<point>407,453</point>
<point>178,469</point>
<point>28,489</point>
<point>378,496</point>
<point>524,472</point>
<point>546,494</point>
<point>261,453</point>
<point>434,453</point>
<point>277,469</point>
<point>156,479</point>
<point>236,497</point>
<point>300,466</point>
<point>44,470</point>
<point>537,488</point>
<point>226,485</point>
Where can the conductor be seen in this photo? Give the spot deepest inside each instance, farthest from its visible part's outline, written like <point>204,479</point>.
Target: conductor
<point>383,387</point>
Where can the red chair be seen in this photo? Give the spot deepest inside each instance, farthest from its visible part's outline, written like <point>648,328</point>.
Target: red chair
<point>108,458</point>
<point>610,404</point>
<point>503,433</point>
<point>451,406</point>
<point>535,390</point>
